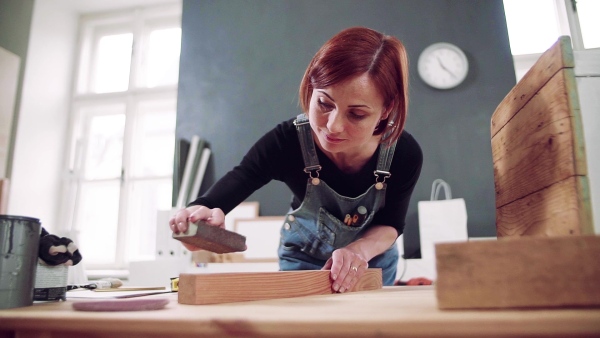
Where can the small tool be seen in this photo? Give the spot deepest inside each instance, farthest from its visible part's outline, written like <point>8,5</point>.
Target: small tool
<point>212,238</point>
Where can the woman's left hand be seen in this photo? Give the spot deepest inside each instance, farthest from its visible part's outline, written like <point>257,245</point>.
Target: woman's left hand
<point>347,266</point>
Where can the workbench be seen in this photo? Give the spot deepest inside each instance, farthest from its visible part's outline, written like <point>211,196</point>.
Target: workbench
<point>401,311</point>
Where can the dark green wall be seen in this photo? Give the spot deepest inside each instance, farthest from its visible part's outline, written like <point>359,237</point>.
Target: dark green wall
<point>15,24</point>
<point>242,61</point>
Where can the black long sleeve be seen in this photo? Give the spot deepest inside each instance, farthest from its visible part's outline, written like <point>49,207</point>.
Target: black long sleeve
<point>278,156</point>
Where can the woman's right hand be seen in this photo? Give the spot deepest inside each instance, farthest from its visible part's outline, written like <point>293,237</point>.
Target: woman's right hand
<point>179,222</point>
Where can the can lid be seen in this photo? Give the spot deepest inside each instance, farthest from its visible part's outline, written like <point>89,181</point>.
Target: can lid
<point>19,218</point>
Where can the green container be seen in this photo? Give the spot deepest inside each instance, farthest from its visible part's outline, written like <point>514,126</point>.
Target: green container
<point>19,245</point>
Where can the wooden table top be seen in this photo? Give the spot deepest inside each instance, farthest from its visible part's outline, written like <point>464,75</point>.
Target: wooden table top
<point>391,311</point>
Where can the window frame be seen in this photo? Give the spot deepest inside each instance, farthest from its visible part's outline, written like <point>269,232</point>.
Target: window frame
<point>568,24</point>
<point>141,22</point>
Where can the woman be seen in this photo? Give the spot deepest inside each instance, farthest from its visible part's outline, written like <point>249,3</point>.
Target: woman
<point>349,162</point>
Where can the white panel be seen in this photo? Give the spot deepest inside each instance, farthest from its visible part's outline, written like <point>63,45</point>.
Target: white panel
<point>9,76</point>
<point>589,99</point>
<point>587,71</point>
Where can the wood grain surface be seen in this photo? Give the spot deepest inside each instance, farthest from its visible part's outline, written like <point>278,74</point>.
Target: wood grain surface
<point>219,288</point>
<point>559,56</point>
<point>560,209</point>
<point>395,311</point>
<point>538,152</point>
<point>537,148</point>
<point>527,272</point>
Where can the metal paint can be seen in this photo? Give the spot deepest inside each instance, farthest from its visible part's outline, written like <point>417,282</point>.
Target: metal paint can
<point>19,245</point>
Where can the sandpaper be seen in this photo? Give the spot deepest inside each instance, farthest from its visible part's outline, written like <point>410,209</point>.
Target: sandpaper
<point>212,238</point>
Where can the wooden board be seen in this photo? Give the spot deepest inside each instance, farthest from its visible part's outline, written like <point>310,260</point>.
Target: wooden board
<point>216,288</point>
<point>549,212</point>
<point>525,272</point>
<point>538,152</point>
<point>539,146</point>
<point>559,56</point>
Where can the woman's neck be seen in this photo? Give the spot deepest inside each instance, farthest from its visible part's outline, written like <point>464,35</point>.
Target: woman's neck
<point>352,161</point>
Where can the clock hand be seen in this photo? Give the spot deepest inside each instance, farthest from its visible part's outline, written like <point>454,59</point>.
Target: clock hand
<point>444,67</point>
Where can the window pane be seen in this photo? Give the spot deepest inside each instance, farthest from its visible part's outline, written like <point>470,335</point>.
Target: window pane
<point>588,12</point>
<point>96,221</point>
<point>113,59</point>
<point>162,58</point>
<point>104,150</point>
<point>154,140</point>
<point>532,25</point>
<point>145,199</point>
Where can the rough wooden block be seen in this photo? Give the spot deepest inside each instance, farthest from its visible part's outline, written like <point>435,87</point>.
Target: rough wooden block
<point>525,272</point>
<point>215,288</point>
<point>538,151</point>
<point>212,238</point>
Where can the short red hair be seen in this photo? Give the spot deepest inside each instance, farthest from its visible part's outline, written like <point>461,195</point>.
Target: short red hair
<point>353,52</point>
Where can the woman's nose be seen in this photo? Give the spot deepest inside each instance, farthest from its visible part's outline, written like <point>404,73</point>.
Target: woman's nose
<point>335,123</point>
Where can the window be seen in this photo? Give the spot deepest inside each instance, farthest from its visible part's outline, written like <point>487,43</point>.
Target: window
<point>534,25</point>
<point>123,133</point>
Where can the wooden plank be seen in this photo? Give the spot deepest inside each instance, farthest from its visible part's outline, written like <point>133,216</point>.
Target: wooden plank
<point>525,272</point>
<point>561,209</point>
<point>559,56</point>
<point>219,288</point>
<point>541,145</point>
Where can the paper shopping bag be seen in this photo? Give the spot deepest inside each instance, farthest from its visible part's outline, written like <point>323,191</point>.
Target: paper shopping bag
<point>441,220</point>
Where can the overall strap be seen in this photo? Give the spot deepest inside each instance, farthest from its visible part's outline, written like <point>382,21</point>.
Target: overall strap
<point>384,161</point>
<point>309,153</point>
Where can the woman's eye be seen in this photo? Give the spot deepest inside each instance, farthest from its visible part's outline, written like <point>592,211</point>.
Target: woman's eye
<point>357,116</point>
<point>324,105</point>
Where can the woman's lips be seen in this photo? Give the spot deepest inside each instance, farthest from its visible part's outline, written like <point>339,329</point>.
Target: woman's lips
<point>332,139</point>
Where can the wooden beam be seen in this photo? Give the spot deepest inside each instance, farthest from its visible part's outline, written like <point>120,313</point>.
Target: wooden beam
<point>562,209</point>
<point>559,56</point>
<point>538,147</point>
<point>216,288</point>
<point>519,272</point>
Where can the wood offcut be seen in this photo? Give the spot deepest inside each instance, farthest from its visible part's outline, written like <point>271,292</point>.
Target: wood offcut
<point>546,253</point>
<point>216,288</point>
<point>538,152</point>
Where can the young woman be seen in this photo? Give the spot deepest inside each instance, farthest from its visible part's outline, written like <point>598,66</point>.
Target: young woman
<point>347,159</point>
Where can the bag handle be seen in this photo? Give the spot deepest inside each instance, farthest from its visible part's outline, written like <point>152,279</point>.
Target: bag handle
<point>437,186</point>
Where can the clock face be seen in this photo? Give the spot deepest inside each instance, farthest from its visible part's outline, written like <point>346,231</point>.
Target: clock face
<point>443,65</point>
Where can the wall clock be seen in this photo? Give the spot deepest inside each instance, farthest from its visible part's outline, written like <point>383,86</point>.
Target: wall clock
<point>443,65</point>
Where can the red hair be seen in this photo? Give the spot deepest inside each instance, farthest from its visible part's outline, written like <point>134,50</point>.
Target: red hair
<point>353,52</point>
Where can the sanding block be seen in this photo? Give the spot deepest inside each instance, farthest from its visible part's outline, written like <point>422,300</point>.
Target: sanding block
<point>212,238</point>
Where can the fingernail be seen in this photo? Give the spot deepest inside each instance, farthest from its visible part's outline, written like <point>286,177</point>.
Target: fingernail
<point>342,289</point>
<point>334,277</point>
<point>336,287</point>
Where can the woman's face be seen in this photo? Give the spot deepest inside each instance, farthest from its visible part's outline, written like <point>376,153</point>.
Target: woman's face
<point>344,116</point>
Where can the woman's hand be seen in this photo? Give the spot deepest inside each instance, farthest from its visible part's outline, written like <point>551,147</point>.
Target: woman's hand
<point>347,266</point>
<point>179,222</point>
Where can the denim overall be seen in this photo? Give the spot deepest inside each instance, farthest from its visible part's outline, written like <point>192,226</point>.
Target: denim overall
<point>312,232</point>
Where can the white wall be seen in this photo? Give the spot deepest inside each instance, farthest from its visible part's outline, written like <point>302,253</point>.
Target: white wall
<point>42,131</point>
<point>43,117</point>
